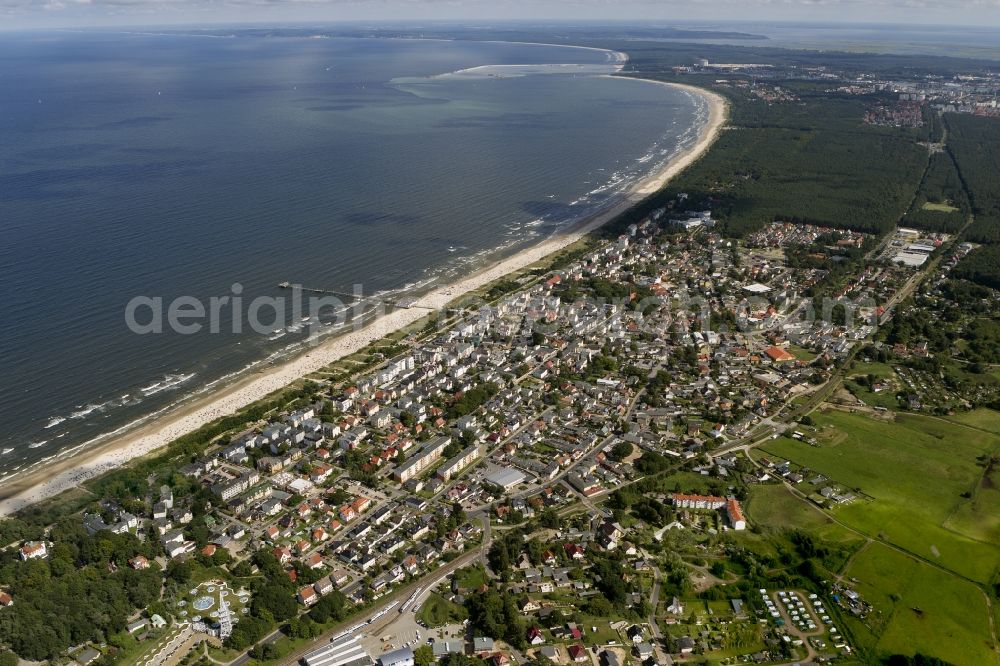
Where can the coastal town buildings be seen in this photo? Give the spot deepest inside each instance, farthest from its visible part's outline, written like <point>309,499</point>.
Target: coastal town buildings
<point>558,393</point>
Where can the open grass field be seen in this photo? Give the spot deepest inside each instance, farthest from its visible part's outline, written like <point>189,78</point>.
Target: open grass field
<point>604,634</point>
<point>885,399</point>
<point>801,353</point>
<point>915,470</point>
<point>438,611</point>
<point>470,578</point>
<point>881,371</point>
<point>919,609</point>
<point>939,207</point>
<point>774,507</point>
<point>985,419</point>
<point>684,482</point>
<point>981,513</point>
<point>876,369</point>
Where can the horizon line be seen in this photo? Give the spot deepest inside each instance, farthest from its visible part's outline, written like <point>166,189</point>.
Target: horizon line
<point>625,22</point>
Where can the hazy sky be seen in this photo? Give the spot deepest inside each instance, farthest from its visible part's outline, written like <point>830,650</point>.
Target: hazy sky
<point>70,13</point>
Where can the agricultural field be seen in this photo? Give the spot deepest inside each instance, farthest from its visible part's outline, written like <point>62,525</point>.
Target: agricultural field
<point>980,514</point>
<point>918,478</point>
<point>918,608</point>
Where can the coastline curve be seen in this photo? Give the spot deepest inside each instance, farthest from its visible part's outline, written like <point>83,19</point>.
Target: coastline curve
<point>152,433</point>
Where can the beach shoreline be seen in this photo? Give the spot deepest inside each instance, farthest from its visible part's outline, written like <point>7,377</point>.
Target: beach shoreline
<point>45,482</point>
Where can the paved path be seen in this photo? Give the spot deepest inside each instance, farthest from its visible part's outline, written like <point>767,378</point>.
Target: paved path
<point>654,598</point>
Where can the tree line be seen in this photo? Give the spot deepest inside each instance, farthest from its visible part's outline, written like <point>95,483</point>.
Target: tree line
<point>974,143</point>
<point>810,162</point>
<point>942,186</point>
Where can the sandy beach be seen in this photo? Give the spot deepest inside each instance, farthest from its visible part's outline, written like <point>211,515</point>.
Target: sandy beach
<point>61,475</point>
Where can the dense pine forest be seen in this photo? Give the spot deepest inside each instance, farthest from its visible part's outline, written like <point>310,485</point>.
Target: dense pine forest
<point>941,203</point>
<point>974,143</point>
<point>811,160</point>
<point>808,161</point>
<point>981,266</point>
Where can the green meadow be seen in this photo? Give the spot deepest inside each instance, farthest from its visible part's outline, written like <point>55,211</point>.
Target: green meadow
<point>885,399</point>
<point>773,510</point>
<point>874,368</point>
<point>438,611</point>
<point>919,608</point>
<point>774,506</point>
<point>984,419</point>
<point>923,484</point>
<point>939,207</point>
<point>881,371</point>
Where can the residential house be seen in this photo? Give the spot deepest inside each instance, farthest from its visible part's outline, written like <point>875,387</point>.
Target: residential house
<point>34,550</point>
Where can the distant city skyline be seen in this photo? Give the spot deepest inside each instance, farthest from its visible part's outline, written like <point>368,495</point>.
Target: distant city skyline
<point>94,13</point>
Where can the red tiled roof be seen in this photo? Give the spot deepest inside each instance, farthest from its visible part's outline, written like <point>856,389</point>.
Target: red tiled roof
<point>778,354</point>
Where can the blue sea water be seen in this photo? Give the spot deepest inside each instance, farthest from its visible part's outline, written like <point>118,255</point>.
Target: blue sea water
<point>167,165</point>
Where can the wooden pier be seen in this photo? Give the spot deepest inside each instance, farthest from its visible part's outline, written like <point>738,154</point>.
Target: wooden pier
<point>341,294</point>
